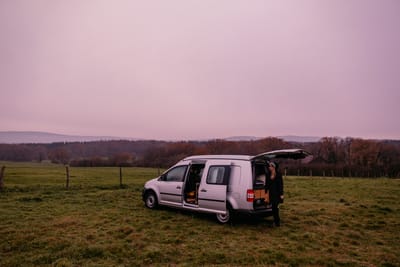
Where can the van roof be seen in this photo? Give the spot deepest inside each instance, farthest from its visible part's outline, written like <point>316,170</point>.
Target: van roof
<point>283,153</point>
<point>228,157</point>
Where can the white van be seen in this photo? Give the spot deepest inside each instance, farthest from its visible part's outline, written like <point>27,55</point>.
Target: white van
<point>220,184</point>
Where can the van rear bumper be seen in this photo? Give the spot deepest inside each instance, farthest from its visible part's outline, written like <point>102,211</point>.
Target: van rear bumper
<point>257,212</point>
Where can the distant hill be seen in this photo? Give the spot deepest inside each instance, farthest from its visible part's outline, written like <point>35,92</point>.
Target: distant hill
<point>242,138</point>
<point>287,138</point>
<point>18,137</point>
<point>300,139</point>
<point>32,137</point>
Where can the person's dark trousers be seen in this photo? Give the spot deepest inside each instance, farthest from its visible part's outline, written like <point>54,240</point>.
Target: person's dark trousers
<point>275,213</point>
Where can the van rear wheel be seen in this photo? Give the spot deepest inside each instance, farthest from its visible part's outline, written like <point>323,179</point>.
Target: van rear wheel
<point>224,218</point>
<point>150,200</point>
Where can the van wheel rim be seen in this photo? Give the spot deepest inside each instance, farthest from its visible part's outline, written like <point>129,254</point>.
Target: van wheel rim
<point>150,201</point>
<point>223,218</point>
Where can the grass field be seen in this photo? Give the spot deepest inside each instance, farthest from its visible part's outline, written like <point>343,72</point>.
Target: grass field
<point>326,222</point>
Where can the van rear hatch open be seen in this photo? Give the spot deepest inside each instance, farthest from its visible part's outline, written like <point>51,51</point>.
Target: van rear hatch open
<point>260,172</point>
<point>284,154</point>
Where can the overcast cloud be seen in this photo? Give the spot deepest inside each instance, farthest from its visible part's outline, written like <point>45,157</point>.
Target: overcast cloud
<point>201,69</point>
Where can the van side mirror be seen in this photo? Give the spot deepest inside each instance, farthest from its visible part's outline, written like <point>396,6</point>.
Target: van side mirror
<point>162,178</point>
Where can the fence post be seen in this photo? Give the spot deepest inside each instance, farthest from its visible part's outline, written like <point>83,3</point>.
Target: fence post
<point>311,172</point>
<point>120,176</point>
<point>67,172</point>
<point>1,177</point>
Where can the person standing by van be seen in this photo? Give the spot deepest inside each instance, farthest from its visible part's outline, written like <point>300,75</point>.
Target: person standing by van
<point>274,184</point>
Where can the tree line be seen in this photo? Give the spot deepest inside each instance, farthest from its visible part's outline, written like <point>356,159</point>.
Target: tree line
<point>350,157</point>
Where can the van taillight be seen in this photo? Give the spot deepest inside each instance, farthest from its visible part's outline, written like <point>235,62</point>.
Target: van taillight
<point>250,195</point>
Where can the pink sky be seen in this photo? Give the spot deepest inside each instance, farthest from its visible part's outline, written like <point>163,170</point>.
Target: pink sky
<point>201,69</point>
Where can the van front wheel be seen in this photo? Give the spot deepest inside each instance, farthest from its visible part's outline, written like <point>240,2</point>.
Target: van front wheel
<point>150,200</point>
<point>224,218</point>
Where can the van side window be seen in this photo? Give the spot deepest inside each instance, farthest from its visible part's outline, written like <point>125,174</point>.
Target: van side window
<point>218,175</point>
<point>176,174</point>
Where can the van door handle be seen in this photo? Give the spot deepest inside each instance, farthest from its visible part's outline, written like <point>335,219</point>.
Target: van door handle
<point>178,187</point>
<point>203,190</point>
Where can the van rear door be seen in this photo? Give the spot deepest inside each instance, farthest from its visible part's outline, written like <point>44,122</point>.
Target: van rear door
<point>285,154</point>
<point>214,185</point>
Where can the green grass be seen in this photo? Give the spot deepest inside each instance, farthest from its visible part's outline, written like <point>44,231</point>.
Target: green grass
<point>326,222</point>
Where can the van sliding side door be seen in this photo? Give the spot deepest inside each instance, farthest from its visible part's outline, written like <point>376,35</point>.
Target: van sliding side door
<point>213,188</point>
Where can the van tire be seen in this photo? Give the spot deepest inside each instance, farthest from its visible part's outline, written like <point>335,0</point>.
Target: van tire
<point>150,200</point>
<point>225,218</point>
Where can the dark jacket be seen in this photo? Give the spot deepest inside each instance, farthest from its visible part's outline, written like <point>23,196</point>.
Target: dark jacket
<point>275,188</point>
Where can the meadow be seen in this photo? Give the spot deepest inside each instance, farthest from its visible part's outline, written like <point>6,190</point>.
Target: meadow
<point>325,222</point>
